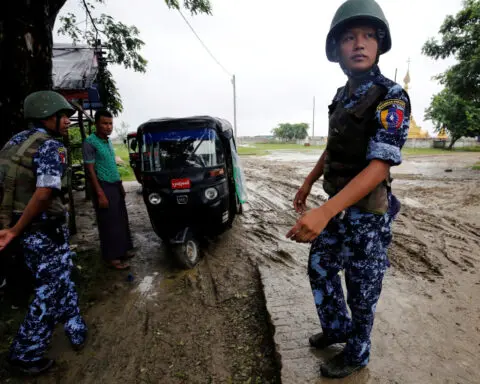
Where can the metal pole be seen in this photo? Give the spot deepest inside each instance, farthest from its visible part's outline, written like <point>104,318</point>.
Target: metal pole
<point>313,120</point>
<point>234,107</point>
<point>395,75</point>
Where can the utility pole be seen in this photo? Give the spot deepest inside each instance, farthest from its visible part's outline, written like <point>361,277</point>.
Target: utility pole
<point>313,120</point>
<point>234,107</point>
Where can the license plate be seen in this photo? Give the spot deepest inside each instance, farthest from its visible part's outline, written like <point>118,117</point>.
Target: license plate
<point>181,184</point>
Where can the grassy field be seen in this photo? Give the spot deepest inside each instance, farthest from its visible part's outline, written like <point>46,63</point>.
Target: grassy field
<point>126,171</point>
<point>259,149</point>
<point>476,167</point>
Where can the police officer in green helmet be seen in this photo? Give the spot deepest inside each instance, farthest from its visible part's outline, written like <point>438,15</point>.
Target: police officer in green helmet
<point>368,125</point>
<point>33,216</point>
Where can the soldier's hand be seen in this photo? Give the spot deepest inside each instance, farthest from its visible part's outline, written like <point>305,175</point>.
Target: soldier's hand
<point>310,225</point>
<point>102,201</point>
<point>6,236</point>
<point>300,201</point>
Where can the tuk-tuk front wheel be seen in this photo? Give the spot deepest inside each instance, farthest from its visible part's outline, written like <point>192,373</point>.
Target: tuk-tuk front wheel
<point>188,254</point>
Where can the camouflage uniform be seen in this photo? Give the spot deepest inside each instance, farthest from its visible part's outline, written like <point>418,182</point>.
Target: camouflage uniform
<point>356,241</point>
<point>47,254</point>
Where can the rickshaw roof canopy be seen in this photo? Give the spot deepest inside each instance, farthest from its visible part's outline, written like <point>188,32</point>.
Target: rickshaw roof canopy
<point>221,125</point>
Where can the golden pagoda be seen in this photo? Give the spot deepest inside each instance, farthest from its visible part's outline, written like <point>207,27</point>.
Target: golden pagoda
<point>415,131</point>
<point>442,135</point>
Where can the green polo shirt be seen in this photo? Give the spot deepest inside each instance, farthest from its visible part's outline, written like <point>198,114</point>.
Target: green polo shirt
<point>101,153</point>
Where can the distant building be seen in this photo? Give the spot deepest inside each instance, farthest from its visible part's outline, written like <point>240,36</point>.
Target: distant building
<point>415,131</point>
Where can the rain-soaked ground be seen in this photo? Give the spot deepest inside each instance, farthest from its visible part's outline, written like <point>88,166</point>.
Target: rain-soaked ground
<point>427,323</point>
<point>210,324</point>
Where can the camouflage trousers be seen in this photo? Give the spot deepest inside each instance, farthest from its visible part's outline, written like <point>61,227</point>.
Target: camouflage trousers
<point>48,257</point>
<point>357,244</point>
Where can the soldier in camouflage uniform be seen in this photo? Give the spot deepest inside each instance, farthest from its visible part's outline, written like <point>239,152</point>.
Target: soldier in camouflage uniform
<point>32,170</point>
<point>368,125</point>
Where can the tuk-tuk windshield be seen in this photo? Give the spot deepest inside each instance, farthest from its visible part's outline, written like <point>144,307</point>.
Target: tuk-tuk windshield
<point>177,149</point>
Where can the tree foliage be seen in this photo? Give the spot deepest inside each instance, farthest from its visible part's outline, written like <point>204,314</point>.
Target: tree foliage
<point>26,42</point>
<point>122,130</point>
<point>459,117</point>
<point>287,131</point>
<point>459,103</point>
<point>121,42</point>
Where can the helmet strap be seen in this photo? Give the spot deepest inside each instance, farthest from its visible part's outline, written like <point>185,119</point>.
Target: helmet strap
<point>55,132</point>
<point>57,124</point>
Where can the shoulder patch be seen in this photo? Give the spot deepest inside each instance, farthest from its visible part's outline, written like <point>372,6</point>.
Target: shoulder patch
<point>391,114</point>
<point>391,102</point>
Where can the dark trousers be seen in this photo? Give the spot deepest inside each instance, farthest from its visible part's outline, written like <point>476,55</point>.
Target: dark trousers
<point>113,226</point>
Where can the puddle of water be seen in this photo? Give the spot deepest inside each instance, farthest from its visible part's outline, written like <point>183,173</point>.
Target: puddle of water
<point>146,286</point>
<point>289,157</point>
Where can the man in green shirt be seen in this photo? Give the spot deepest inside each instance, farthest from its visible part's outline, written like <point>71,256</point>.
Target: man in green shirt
<point>109,194</point>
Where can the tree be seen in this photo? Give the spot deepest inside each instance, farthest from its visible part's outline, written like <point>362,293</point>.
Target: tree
<point>287,131</point>
<point>458,105</point>
<point>460,39</point>
<point>122,130</point>
<point>26,40</point>
<point>459,117</point>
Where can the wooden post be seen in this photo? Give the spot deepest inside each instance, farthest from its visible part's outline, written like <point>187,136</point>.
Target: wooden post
<point>72,223</point>
<point>82,113</point>
<point>88,194</point>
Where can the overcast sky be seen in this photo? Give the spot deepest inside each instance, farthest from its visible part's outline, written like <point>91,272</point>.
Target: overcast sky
<point>276,48</point>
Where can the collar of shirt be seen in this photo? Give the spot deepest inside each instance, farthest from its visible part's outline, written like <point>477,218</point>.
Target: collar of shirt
<point>101,139</point>
<point>40,129</point>
<point>368,79</point>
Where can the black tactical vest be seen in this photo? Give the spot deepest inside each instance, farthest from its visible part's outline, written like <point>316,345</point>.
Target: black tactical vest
<point>350,130</point>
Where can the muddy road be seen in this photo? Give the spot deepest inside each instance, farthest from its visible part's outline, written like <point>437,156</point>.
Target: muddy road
<point>427,327</point>
<point>210,324</point>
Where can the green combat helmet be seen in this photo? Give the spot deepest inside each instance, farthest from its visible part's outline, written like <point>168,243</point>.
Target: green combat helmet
<point>43,104</point>
<point>358,10</point>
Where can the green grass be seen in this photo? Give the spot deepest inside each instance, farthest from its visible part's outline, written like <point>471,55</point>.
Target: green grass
<point>468,149</point>
<point>424,151</point>
<point>126,171</point>
<point>476,166</point>
<point>260,149</point>
<point>436,151</point>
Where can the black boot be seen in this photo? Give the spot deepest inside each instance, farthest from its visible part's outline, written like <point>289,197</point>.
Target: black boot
<point>79,347</point>
<point>339,367</point>
<point>32,368</point>
<point>320,341</point>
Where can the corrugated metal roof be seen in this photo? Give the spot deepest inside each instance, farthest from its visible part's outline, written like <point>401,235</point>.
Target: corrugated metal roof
<point>74,66</point>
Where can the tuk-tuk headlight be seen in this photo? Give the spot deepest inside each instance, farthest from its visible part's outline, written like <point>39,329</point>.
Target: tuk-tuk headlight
<point>154,198</point>
<point>211,193</point>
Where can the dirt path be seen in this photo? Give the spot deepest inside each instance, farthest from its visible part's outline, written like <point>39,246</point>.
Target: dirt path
<point>206,325</point>
<point>209,325</point>
<point>427,324</point>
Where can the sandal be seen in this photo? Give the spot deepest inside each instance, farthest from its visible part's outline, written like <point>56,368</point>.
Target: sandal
<point>117,264</point>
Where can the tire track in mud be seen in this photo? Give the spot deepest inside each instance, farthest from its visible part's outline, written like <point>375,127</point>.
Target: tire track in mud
<point>208,324</point>
<point>428,238</point>
<point>428,314</point>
